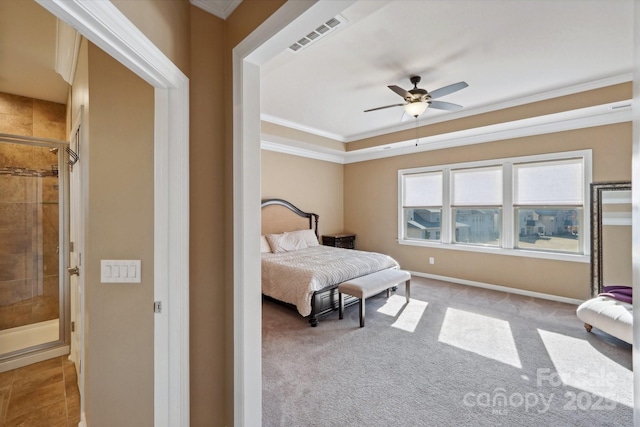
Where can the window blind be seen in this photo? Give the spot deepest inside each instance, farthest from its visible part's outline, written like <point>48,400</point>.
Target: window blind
<point>549,183</point>
<point>477,187</point>
<point>423,189</point>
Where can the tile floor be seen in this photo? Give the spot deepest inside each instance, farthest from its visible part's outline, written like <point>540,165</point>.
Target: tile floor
<point>42,394</point>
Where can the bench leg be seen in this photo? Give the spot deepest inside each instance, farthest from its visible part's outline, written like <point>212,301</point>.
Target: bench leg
<point>588,327</point>
<point>407,290</point>
<point>341,305</point>
<point>362,312</point>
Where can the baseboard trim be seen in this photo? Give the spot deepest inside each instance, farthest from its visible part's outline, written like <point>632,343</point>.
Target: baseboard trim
<point>499,288</point>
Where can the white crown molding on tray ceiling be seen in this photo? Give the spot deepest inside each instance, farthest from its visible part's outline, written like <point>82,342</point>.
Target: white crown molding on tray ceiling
<point>220,8</point>
<point>599,115</point>
<point>543,96</point>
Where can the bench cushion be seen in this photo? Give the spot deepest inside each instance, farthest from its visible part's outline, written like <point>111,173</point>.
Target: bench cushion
<point>609,315</point>
<point>374,283</point>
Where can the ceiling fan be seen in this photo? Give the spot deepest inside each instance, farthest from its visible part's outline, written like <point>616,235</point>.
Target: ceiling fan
<point>418,100</point>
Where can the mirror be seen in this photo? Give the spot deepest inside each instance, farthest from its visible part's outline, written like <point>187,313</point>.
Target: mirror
<point>610,235</point>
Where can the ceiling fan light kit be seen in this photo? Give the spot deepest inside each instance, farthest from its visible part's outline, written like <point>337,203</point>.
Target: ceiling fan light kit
<point>418,100</point>
<point>415,108</point>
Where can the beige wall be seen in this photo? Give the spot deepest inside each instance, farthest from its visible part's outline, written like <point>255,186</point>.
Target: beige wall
<point>371,198</point>
<point>311,185</point>
<point>119,215</point>
<point>164,22</point>
<point>207,257</point>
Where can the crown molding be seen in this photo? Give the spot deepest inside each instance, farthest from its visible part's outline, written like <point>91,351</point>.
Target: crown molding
<point>303,128</point>
<point>426,120</point>
<point>220,8</point>
<point>301,152</point>
<point>600,115</point>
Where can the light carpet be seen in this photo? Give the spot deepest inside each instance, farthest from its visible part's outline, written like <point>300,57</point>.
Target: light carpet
<point>454,356</point>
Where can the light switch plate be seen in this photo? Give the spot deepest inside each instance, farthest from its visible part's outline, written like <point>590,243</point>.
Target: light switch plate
<point>120,271</point>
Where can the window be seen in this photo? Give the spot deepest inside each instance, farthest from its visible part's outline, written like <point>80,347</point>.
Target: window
<point>422,205</point>
<point>528,206</point>
<point>548,203</point>
<point>476,204</point>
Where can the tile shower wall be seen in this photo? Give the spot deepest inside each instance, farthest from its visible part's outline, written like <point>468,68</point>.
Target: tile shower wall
<point>29,276</point>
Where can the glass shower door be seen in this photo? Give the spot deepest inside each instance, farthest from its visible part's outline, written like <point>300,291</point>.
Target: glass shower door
<point>31,283</point>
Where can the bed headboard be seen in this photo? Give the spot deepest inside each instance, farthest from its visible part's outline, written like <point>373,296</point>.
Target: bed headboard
<point>279,216</point>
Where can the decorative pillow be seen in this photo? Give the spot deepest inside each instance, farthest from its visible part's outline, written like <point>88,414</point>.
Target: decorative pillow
<point>307,235</point>
<point>264,245</point>
<point>285,242</point>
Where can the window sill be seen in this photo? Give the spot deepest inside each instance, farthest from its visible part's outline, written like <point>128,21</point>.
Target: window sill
<point>500,251</point>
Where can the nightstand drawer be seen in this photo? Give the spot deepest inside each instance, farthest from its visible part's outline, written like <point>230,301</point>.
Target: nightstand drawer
<point>347,241</point>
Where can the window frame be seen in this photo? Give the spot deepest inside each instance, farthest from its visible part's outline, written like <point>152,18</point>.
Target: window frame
<point>508,233</point>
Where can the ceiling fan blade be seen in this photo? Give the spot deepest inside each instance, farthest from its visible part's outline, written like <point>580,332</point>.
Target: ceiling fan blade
<point>441,105</point>
<point>447,90</point>
<point>403,93</point>
<point>386,106</point>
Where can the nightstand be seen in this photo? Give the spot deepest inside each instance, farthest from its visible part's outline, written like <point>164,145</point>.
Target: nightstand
<point>344,240</point>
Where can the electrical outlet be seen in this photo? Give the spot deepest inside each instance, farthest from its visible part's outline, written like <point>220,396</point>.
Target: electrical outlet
<point>432,260</point>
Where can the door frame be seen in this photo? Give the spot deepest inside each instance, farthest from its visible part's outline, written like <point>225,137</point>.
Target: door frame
<point>105,26</point>
<point>273,36</point>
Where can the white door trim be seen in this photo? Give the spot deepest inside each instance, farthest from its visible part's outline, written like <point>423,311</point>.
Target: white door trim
<point>286,24</point>
<point>76,226</point>
<point>104,25</point>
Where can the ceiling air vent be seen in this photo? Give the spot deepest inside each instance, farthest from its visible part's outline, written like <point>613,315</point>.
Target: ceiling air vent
<point>318,33</point>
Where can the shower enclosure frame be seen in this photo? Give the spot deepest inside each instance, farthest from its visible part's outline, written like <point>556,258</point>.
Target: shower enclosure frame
<point>61,346</point>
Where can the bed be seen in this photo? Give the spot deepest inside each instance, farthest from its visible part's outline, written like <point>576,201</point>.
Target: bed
<point>301,273</point>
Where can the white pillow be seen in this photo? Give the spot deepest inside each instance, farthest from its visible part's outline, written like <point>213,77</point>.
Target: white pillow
<point>307,235</point>
<point>285,242</point>
<point>264,245</point>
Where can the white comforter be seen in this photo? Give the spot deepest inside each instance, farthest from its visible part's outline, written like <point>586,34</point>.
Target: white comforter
<point>293,276</point>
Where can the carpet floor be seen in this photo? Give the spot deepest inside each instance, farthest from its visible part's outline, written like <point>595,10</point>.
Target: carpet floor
<point>454,356</point>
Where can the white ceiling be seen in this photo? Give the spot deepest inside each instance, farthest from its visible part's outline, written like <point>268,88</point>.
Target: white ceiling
<point>509,52</point>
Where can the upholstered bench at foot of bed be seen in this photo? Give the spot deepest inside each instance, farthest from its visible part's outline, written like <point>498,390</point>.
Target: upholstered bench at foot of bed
<point>609,315</point>
<point>365,286</point>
